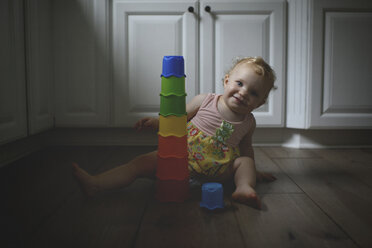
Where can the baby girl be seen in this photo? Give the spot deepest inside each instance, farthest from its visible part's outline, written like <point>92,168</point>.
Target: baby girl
<point>219,136</point>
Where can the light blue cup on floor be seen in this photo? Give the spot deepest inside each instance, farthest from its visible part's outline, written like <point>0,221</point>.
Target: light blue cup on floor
<point>212,196</point>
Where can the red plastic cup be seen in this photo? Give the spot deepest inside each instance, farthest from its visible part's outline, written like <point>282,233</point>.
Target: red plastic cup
<point>172,168</point>
<point>172,190</point>
<point>172,146</point>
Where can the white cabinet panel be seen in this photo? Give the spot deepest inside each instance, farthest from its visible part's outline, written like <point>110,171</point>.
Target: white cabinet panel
<point>347,78</point>
<point>81,62</point>
<point>342,95</point>
<point>142,34</point>
<point>13,115</point>
<point>233,34</point>
<point>165,33</point>
<point>39,65</point>
<point>329,64</point>
<point>241,29</point>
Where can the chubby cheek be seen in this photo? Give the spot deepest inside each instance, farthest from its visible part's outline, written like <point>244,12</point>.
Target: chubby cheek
<point>230,90</point>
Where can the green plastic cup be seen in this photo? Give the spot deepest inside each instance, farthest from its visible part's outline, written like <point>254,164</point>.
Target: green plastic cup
<point>172,86</point>
<point>172,105</point>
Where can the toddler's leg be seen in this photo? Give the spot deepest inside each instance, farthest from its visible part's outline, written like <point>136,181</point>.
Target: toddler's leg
<point>123,175</point>
<point>245,180</point>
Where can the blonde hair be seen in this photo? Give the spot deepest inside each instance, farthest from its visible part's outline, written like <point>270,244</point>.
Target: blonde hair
<point>259,66</point>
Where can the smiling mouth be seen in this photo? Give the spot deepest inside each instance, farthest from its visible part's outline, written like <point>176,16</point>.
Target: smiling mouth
<point>240,101</point>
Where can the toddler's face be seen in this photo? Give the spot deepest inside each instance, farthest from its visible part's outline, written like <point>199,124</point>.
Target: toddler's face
<point>244,89</point>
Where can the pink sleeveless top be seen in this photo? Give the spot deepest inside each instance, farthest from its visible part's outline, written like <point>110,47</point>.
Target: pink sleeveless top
<point>208,119</point>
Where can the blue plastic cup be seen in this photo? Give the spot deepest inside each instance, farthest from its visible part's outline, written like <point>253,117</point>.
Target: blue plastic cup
<point>212,196</point>
<point>173,66</point>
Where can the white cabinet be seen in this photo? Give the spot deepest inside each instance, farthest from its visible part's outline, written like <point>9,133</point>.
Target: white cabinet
<point>329,64</point>
<point>39,64</point>
<point>13,114</point>
<point>241,29</point>
<point>26,63</point>
<point>81,61</point>
<point>144,32</point>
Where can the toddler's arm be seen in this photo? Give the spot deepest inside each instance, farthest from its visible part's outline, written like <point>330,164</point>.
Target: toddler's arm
<point>193,106</point>
<point>246,149</point>
<point>245,146</point>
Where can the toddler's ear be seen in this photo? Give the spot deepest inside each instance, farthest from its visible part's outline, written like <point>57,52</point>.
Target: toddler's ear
<point>226,79</point>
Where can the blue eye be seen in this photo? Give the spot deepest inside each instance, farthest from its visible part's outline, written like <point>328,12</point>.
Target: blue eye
<point>239,83</point>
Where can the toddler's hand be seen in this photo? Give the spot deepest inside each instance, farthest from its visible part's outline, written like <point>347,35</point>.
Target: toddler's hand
<point>147,122</point>
<point>264,177</point>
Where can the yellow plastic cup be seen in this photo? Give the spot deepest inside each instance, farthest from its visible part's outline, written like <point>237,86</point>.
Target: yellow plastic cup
<point>172,125</point>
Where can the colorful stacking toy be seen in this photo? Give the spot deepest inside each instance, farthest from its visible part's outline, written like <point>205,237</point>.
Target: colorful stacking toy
<point>172,184</point>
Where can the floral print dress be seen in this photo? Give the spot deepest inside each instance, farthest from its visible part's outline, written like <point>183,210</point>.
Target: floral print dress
<point>210,155</point>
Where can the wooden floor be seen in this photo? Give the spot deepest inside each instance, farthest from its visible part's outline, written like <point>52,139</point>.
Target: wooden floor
<point>322,198</point>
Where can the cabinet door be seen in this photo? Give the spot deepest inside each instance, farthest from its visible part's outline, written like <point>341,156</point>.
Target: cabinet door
<point>39,65</point>
<point>80,45</point>
<point>341,76</point>
<point>241,29</point>
<point>143,33</point>
<point>13,116</point>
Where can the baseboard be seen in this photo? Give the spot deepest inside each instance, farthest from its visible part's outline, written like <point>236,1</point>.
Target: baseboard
<point>100,137</point>
<point>334,138</point>
<point>15,150</point>
<point>313,139</point>
<point>293,138</point>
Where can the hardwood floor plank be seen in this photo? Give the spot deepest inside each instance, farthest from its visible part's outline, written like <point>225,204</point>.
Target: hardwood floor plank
<point>188,225</point>
<point>344,198</point>
<point>349,156</point>
<point>353,162</point>
<point>110,219</point>
<point>283,184</point>
<point>289,220</point>
<point>284,152</point>
<point>123,154</point>
<point>322,198</point>
<point>367,150</point>
<point>170,235</point>
<point>39,184</point>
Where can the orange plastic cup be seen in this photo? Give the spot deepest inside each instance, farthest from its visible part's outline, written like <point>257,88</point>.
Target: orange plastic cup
<point>172,168</point>
<point>172,190</point>
<point>172,146</point>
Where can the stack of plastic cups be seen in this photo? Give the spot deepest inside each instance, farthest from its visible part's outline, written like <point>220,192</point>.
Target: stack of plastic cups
<point>172,184</point>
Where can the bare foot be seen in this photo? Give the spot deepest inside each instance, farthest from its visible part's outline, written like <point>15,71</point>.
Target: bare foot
<point>85,180</point>
<point>247,195</point>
